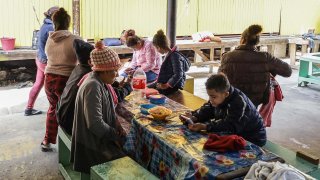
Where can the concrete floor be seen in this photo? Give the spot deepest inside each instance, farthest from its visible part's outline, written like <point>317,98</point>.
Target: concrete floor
<point>295,125</point>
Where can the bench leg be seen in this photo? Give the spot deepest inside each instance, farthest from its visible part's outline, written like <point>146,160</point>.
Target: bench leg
<point>64,153</point>
<point>292,51</point>
<point>84,176</point>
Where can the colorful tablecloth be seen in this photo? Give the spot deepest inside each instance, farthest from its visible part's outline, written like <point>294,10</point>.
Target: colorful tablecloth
<point>170,151</point>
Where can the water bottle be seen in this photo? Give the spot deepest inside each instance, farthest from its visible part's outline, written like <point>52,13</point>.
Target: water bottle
<point>139,83</point>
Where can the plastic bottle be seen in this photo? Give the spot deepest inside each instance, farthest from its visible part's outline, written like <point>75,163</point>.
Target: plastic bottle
<point>139,83</point>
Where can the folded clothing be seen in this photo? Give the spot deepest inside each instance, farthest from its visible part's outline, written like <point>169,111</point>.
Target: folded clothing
<point>224,143</point>
<point>275,171</point>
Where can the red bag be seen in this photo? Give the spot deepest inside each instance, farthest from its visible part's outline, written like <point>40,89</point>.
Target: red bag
<point>266,110</point>
<point>277,89</point>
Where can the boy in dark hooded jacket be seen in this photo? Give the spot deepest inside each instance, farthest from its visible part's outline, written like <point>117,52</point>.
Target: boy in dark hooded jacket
<point>228,111</point>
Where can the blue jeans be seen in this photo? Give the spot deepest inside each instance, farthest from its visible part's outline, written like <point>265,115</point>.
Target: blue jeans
<point>151,76</point>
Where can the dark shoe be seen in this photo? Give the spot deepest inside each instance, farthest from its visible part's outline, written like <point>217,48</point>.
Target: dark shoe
<point>45,147</point>
<point>30,112</point>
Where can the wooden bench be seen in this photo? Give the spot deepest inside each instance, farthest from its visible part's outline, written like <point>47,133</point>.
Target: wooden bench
<point>189,84</point>
<point>123,168</point>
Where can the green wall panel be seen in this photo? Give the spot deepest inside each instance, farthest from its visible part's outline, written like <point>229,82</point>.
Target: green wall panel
<point>18,19</point>
<point>300,15</point>
<point>107,18</point>
<point>233,16</point>
<point>187,17</point>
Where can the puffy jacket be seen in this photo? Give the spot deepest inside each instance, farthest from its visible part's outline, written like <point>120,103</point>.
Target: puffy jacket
<point>43,35</point>
<point>249,70</point>
<point>173,70</point>
<point>236,115</point>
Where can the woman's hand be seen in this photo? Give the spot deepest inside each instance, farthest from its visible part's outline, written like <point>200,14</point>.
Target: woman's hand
<point>197,127</point>
<point>129,71</point>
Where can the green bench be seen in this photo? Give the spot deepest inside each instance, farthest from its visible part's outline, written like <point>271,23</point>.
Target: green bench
<point>65,167</point>
<point>123,168</point>
<point>309,70</point>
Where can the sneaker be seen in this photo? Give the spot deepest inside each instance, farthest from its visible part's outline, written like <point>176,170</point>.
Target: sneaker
<point>30,112</point>
<point>45,147</point>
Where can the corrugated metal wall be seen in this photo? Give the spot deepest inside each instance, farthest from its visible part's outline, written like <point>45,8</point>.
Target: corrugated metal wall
<point>233,16</point>
<point>107,18</point>
<point>18,19</point>
<point>187,17</point>
<point>300,15</point>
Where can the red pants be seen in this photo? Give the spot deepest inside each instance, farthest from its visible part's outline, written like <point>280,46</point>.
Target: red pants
<point>54,85</point>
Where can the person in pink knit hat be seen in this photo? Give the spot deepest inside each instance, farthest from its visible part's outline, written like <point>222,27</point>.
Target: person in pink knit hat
<point>97,135</point>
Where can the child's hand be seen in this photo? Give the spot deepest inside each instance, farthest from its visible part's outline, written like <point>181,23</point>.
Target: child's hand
<point>163,86</point>
<point>129,71</point>
<point>197,127</point>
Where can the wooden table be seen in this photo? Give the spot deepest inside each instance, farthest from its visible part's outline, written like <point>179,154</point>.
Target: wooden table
<point>293,42</point>
<point>200,59</point>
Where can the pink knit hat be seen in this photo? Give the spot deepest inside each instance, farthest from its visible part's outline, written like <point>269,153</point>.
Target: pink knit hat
<point>103,58</point>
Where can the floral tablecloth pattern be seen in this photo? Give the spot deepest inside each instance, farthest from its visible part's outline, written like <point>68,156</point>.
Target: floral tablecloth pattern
<point>170,151</point>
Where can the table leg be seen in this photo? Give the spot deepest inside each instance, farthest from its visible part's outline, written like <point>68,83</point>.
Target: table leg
<point>316,47</point>
<point>270,49</point>
<point>304,49</point>
<point>292,52</point>
<point>211,59</point>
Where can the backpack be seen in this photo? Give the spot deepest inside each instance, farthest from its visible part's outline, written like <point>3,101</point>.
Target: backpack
<point>185,61</point>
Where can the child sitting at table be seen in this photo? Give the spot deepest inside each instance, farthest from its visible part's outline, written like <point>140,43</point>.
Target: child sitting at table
<point>172,75</point>
<point>228,111</point>
<point>144,56</point>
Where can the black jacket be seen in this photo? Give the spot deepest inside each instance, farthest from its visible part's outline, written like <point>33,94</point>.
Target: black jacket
<point>173,70</point>
<point>236,115</point>
<point>249,70</point>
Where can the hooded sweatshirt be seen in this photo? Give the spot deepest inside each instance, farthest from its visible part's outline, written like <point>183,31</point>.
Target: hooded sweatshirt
<point>60,52</point>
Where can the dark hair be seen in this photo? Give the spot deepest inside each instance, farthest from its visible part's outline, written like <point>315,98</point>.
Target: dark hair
<point>61,20</point>
<point>251,35</point>
<point>218,82</point>
<point>133,40</point>
<point>160,40</point>
<point>83,50</point>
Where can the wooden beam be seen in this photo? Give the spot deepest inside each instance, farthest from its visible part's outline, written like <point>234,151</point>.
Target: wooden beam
<point>76,16</point>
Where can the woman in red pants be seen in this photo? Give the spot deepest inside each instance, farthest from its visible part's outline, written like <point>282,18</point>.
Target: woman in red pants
<point>61,61</point>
